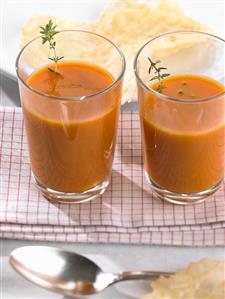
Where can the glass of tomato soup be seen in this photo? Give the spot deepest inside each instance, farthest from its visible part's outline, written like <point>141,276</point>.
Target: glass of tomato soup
<point>180,81</point>
<point>71,111</point>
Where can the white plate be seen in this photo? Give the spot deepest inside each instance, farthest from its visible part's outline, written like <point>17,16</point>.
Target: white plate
<point>14,13</point>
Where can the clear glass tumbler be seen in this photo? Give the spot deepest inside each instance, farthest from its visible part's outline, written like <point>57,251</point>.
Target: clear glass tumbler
<point>71,139</point>
<point>183,139</point>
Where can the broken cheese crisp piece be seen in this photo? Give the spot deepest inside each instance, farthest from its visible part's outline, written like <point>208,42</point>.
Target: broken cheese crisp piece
<point>129,24</point>
<point>204,279</point>
<point>31,28</point>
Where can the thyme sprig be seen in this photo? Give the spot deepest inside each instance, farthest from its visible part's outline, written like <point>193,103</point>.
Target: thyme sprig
<point>157,73</point>
<point>47,34</point>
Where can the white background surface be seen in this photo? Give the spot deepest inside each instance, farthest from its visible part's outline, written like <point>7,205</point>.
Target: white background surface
<point>13,13</point>
<point>111,258</point>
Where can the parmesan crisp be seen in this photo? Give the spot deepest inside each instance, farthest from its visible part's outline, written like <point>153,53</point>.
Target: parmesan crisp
<point>129,24</point>
<point>204,279</point>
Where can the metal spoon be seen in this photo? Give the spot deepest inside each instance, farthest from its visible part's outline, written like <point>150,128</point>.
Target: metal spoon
<point>66,272</point>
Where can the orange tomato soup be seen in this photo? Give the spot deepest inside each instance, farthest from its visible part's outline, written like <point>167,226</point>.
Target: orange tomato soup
<point>184,143</point>
<point>71,142</point>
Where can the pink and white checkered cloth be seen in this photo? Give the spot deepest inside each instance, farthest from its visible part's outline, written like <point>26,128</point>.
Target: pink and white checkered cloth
<point>126,213</point>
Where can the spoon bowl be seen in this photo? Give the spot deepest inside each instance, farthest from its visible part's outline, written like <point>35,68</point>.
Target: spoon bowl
<point>66,272</point>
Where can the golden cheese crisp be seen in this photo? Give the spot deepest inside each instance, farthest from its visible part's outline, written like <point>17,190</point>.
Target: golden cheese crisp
<point>129,24</point>
<point>204,279</point>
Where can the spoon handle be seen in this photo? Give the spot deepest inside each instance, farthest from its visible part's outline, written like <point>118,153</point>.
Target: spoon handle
<point>149,275</point>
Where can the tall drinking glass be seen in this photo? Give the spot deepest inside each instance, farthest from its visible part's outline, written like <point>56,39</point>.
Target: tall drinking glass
<point>71,137</point>
<point>183,136</point>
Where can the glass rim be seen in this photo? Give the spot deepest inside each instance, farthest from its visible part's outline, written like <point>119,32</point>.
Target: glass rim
<point>156,93</point>
<point>80,98</point>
